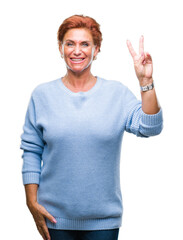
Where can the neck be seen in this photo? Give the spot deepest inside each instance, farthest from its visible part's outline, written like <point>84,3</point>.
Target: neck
<point>78,80</point>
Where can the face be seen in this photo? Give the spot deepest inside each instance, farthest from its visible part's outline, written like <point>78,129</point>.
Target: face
<point>78,49</point>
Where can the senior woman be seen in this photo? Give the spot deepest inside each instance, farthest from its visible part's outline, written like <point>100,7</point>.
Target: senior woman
<point>72,138</point>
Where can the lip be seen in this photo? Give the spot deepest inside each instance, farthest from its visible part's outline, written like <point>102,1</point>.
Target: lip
<point>78,62</point>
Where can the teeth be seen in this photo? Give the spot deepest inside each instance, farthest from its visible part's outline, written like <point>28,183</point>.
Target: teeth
<point>78,59</point>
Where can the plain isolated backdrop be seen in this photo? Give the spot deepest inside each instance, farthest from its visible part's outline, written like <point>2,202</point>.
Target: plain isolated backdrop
<point>151,169</point>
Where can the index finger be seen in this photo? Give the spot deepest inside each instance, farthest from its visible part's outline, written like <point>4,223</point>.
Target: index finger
<point>131,50</point>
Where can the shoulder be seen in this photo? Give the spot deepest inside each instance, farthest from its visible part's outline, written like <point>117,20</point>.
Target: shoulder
<point>118,89</point>
<point>43,88</point>
<point>112,84</point>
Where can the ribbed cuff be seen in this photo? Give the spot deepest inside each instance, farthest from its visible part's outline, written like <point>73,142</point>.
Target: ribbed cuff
<point>85,224</point>
<point>30,177</point>
<point>152,119</point>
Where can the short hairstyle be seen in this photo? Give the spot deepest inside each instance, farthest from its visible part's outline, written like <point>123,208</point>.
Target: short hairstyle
<point>80,21</point>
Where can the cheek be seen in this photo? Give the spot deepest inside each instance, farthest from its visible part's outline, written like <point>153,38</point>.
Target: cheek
<point>88,53</point>
<point>67,53</point>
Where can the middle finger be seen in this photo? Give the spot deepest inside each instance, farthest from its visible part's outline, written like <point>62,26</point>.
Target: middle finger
<point>141,45</point>
<point>41,232</point>
<point>46,232</point>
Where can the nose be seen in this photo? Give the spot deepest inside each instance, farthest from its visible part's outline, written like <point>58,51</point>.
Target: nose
<point>77,49</point>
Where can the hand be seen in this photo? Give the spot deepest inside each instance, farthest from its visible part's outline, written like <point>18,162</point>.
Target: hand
<point>39,212</point>
<point>142,63</point>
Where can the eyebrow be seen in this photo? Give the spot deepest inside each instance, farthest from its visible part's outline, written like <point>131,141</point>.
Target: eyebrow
<point>73,41</point>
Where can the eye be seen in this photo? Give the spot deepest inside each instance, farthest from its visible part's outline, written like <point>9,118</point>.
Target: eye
<point>85,44</point>
<point>69,44</point>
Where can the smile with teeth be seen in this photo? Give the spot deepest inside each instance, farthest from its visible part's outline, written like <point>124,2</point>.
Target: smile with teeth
<point>77,60</point>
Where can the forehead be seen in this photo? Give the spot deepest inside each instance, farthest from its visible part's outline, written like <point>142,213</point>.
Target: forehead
<point>78,34</point>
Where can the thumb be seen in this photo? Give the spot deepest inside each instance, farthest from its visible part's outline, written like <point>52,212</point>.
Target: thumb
<point>48,215</point>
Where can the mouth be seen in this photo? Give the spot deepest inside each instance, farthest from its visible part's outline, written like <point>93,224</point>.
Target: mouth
<point>77,60</point>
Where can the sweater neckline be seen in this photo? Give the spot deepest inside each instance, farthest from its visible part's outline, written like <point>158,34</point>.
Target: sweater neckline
<point>81,93</point>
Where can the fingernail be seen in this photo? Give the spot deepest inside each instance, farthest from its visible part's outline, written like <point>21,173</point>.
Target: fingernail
<point>54,220</point>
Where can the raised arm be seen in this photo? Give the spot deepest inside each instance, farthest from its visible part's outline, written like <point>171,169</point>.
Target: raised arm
<point>145,117</point>
<point>144,68</point>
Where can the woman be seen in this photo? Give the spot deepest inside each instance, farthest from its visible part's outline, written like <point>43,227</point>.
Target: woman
<point>72,138</point>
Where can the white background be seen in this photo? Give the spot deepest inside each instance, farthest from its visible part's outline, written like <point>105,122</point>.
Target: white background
<point>151,169</point>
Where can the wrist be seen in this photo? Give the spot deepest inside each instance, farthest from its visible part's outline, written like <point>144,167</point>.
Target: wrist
<point>31,203</point>
<point>147,87</point>
<point>145,81</point>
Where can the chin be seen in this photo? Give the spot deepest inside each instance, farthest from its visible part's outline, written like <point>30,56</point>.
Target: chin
<point>79,69</point>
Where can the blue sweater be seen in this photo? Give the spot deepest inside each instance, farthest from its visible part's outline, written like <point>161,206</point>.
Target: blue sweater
<point>71,146</point>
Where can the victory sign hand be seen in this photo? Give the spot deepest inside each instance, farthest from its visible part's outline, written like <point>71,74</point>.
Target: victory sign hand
<point>142,63</point>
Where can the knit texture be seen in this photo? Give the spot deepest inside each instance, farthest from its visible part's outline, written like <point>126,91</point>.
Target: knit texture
<point>71,146</point>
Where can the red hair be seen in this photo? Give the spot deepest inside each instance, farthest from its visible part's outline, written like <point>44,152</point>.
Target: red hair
<point>80,21</point>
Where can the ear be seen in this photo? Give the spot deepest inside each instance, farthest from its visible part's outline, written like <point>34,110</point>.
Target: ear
<point>60,48</point>
<point>96,51</point>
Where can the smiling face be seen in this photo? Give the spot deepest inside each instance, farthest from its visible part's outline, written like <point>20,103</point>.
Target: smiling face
<point>78,49</point>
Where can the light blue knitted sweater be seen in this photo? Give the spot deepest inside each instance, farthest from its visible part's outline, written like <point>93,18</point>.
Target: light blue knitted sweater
<point>72,147</point>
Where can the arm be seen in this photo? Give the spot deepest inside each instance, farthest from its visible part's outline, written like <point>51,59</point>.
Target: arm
<point>144,120</point>
<point>31,194</point>
<point>137,121</point>
<point>32,145</point>
<point>144,69</point>
<point>150,103</point>
<point>38,212</point>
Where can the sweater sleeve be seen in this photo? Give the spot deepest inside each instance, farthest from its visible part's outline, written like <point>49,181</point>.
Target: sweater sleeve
<point>32,145</point>
<point>138,122</point>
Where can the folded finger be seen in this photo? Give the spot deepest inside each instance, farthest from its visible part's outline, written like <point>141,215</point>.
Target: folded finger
<point>149,56</point>
<point>41,232</point>
<point>46,232</point>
